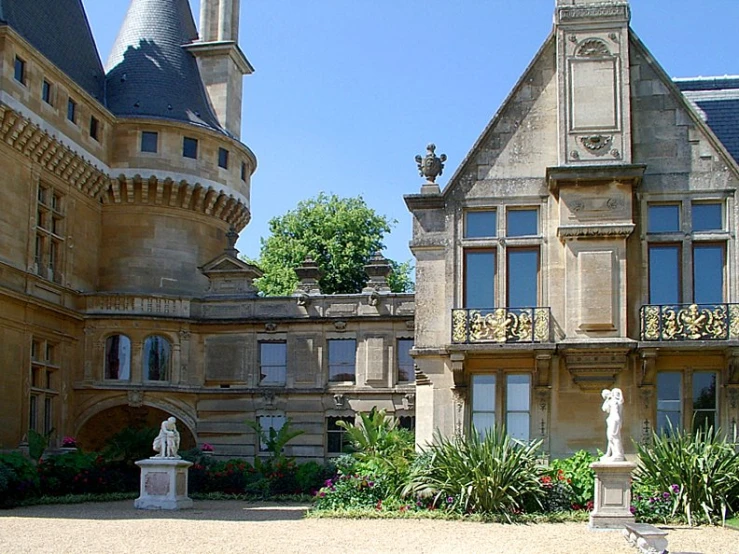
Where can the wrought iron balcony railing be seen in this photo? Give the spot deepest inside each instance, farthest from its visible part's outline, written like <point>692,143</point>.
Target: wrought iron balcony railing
<point>676,322</point>
<point>501,325</point>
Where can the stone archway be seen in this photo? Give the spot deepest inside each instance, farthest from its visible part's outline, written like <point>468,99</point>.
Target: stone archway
<point>101,427</point>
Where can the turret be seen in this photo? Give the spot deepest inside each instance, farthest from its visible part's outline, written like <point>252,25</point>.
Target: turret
<point>181,180</point>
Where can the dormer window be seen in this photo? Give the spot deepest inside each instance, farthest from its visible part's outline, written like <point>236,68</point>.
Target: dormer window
<point>190,148</point>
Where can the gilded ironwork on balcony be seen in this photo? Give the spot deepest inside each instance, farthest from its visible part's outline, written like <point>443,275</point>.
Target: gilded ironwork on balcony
<point>501,325</point>
<point>690,322</point>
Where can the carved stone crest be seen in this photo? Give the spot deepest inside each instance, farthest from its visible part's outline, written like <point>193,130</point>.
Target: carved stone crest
<point>597,144</point>
<point>270,327</point>
<point>431,166</point>
<point>340,325</point>
<point>593,48</point>
<point>135,398</point>
<point>339,400</point>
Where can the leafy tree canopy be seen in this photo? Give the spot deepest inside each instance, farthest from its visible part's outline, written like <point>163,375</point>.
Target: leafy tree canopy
<point>339,234</point>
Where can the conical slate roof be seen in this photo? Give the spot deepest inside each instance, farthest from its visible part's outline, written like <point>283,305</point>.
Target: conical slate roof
<point>61,32</point>
<point>150,74</point>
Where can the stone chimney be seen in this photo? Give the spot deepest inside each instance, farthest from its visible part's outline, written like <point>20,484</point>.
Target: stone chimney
<point>221,62</point>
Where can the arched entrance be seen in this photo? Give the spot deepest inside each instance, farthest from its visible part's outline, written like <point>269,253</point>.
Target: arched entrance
<point>96,433</point>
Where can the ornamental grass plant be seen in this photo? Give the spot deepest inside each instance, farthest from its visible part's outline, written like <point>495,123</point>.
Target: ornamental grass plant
<point>699,469</point>
<point>489,473</point>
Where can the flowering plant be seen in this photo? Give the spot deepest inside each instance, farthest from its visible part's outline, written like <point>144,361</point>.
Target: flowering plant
<point>206,447</point>
<point>69,442</point>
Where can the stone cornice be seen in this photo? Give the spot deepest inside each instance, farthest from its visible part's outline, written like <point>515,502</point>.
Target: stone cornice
<point>604,230</point>
<point>222,48</point>
<point>166,192</point>
<point>57,158</point>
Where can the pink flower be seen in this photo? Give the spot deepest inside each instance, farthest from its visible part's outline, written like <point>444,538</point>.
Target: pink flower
<point>206,447</point>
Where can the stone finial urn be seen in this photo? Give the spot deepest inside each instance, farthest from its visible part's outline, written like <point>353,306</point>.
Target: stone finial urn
<point>431,166</point>
<point>308,274</point>
<point>378,269</point>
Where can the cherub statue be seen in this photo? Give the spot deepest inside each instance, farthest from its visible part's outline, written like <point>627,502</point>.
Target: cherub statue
<point>613,402</point>
<point>168,440</point>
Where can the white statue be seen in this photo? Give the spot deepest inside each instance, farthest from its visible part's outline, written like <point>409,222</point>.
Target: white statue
<point>168,440</point>
<point>613,405</point>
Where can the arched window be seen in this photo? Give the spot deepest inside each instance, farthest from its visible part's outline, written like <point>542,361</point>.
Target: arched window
<point>156,358</point>
<point>118,357</point>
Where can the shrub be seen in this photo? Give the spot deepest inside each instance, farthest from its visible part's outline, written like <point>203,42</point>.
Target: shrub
<point>481,474</point>
<point>57,473</point>
<point>349,492</point>
<point>382,451</point>
<point>580,475</point>
<point>558,494</point>
<point>649,506</point>
<point>310,476</point>
<point>21,479</point>
<point>130,444</point>
<point>701,464</point>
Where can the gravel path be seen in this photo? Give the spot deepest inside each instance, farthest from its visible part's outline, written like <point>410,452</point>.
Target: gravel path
<point>231,526</point>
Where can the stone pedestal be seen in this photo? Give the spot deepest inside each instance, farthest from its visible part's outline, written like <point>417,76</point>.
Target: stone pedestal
<point>163,484</point>
<point>612,508</point>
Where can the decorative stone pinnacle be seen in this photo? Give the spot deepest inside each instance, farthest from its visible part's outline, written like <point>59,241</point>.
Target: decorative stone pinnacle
<point>308,275</point>
<point>431,166</point>
<point>232,236</point>
<point>377,269</point>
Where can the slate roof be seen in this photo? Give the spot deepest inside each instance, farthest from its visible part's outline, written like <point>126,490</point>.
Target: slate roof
<point>717,99</point>
<point>149,74</point>
<point>60,31</point>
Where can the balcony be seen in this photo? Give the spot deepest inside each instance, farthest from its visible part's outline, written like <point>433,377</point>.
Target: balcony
<point>501,325</point>
<point>680,322</point>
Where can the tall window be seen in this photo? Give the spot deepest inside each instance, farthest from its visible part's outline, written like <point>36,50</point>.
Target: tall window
<point>269,424</point>
<point>336,440</point>
<point>700,405</point>
<point>156,358</point>
<point>49,233</point>
<point>687,253</point>
<point>20,70</point>
<point>406,373</point>
<point>483,402</point>
<point>223,158</point>
<point>342,355</point>
<point>45,385</point>
<point>190,148</point>
<point>272,363</point>
<point>149,141</point>
<point>516,397</point>
<point>72,110</point>
<point>46,88</point>
<point>118,357</point>
<point>501,262</point>
<point>94,128</point>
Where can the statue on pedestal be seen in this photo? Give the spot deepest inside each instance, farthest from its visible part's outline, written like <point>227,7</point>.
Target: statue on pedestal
<point>613,402</point>
<point>168,440</point>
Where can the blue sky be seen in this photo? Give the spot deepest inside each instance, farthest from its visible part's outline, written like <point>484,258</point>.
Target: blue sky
<point>347,92</point>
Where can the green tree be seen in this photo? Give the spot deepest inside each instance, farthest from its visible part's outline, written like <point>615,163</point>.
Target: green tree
<point>339,234</point>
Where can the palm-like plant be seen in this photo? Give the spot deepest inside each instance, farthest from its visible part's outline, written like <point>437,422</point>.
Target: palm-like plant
<point>702,464</point>
<point>489,473</point>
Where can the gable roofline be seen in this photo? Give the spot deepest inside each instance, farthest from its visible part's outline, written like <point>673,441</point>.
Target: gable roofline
<point>677,94</point>
<point>498,114</point>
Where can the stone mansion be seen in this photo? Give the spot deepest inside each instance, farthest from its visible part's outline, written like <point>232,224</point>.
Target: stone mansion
<point>588,240</point>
